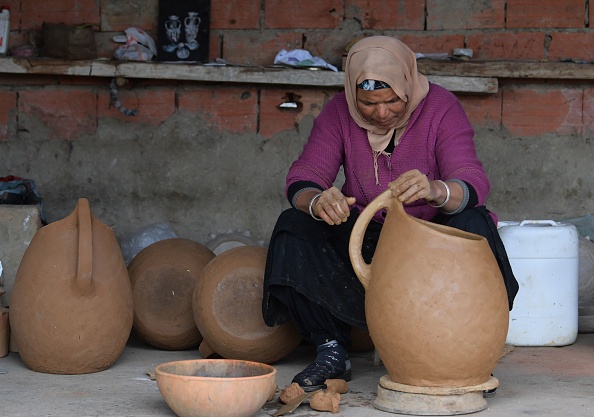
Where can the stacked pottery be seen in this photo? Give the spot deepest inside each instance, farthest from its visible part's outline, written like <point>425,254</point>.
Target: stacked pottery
<point>71,304</point>
<point>163,276</point>
<point>435,303</point>
<point>227,307</point>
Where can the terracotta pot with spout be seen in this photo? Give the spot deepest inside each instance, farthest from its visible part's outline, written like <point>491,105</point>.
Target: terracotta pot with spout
<point>71,304</point>
<point>435,300</point>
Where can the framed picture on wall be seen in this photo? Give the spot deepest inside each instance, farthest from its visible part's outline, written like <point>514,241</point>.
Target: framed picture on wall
<point>183,33</point>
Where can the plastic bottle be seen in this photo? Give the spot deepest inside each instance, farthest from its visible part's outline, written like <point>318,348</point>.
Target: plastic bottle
<point>4,29</point>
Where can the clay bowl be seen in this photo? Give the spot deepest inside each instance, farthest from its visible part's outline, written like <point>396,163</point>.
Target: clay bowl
<point>216,387</point>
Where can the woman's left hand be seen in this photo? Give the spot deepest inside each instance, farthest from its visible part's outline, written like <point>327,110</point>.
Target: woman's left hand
<point>412,186</point>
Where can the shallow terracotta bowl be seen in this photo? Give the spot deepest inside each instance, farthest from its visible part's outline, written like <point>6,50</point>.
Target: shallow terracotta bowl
<point>215,387</point>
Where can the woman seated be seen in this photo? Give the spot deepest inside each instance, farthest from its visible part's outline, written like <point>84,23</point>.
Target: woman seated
<point>390,128</point>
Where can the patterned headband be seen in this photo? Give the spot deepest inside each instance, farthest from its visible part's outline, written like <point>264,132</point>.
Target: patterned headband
<point>371,85</point>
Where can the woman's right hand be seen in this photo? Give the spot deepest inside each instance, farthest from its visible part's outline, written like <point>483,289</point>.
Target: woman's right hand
<point>333,206</point>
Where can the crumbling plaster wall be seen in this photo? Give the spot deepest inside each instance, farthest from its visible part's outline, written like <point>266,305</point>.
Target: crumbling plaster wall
<point>201,180</point>
<point>206,182</point>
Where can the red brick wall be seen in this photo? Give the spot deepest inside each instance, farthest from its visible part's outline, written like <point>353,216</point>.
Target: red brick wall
<point>252,32</point>
<point>8,103</point>
<point>484,23</point>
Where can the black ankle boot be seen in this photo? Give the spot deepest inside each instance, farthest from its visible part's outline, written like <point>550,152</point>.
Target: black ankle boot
<point>331,362</point>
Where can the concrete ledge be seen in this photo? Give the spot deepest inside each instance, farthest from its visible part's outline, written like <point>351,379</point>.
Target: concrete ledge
<point>457,83</point>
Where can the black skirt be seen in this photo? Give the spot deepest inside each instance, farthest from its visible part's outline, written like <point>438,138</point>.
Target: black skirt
<point>312,257</point>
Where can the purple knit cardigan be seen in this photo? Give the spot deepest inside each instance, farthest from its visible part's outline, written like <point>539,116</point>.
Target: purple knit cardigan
<point>437,141</point>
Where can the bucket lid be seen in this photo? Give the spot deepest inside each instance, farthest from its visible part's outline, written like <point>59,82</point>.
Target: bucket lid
<point>539,239</point>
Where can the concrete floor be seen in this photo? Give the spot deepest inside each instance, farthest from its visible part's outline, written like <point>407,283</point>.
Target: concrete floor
<point>539,381</point>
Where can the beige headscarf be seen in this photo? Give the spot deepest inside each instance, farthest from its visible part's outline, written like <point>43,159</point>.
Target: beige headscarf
<point>386,59</point>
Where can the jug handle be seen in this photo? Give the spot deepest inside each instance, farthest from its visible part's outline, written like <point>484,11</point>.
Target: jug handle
<point>363,269</point>
<point>84,270</point>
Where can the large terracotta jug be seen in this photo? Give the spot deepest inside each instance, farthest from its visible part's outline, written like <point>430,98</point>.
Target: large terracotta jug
<point>435,300</point>
<point>71,305</point>
<point>163,277</point>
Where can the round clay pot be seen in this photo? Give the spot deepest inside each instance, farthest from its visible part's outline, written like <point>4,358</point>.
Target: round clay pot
<point>71,303</point>
<point>435,302</point>
<point>227,308</point>
<point>163,276</point>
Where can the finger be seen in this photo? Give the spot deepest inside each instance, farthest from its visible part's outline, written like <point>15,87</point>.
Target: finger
<point>413,198</point>
<point>335,205</point>
<point>403,183</point>
<point>339,207</point>
<point>344,208</point>
<point>320,212</point>
<point>326,218</point>
<point>396,188</point>
<point>334,210</point>
<point>415,187</point>
<point>410,191</point>
<point>344,205</point>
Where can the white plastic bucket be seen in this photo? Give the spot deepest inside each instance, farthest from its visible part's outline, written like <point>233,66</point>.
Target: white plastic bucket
<point>544,256</point>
